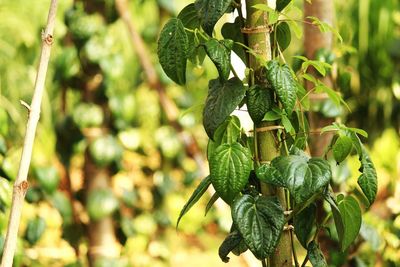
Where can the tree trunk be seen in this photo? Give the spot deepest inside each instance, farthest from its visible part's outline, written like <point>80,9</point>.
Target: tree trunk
<point>314,39</point>
<point>267,147</point>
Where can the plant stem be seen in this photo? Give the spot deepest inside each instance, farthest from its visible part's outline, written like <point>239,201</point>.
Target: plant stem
<point>267,147</point>
<point>21,183</point>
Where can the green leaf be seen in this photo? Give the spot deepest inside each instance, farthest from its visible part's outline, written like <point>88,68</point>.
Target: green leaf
<point>272,115</point>
<point>303,176</point>
<point>351,215</point>
<point>231,242</point>
<point>316,256</point>
<point>259,102</point>
<point>196,195</point>
<point>283,83</point>
<point>260,221</point>
<point>211,202</point>
<point>303,224</point>
<point>368,180</point>
<point>210,11</point>
<point>220,54</point>
<point>273,15</point>
<point>325,27</point>
<point>228,132</point>
<point>283,35</point>
<point>223,97</point>
<point>232,31</point>
<point>101,203</point>
<point>287,125</point>
<point>189,17</point>
<point>173,49</point>
<point>35,230</point>
<point>230,167</point>
<point>342,148</point>
<point>281,4</point>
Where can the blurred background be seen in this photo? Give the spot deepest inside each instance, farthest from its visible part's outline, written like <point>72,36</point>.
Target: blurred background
<point>120,148</point>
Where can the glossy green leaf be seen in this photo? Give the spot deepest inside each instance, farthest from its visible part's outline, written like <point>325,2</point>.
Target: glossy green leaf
<point>231,242</point>
<point>259,102</point>
<point>283,35</point>
<point>196,195</point>
<point>210,11</point>
<point>303,224</point>
<point>189,17</point>
<point>303,176</point>
<point>272,115</point>
<point>316,256</point>
<point>260,221</point>
<point>173,48</point>
<point>368,180</point>
<point>283,83</point>
<point>35,230</point>
<point>281,4</point>
<point>342,148</point>
<point>233,31</point>
<point>223,97</point>
<point>220,54</point>
<point>230,167</point>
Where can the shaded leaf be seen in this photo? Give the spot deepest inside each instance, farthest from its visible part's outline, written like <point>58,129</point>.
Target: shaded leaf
<point>211,202</point>
<point>223,97</point>
<point>220,54</point>
<point>368,180</point>
<point>303,224</point>
<point>210,11</point>
<point>173,47</point>
<point>281,4</point>
<point>283,83</point>
<point>232,31</point>
<point>303,176</point>
<point>196,195</point>
<point>316,256</point>
<point>35,230</point>
<point>232,241</point>
<point>259,102</point>
<point>283,35</point>
<point>230,167</point>
<point>260,221</point>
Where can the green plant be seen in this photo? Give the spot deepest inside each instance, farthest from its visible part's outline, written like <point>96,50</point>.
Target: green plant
<point>270,183</point>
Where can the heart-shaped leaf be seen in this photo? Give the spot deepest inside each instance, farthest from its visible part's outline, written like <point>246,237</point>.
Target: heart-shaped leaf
<point>347,217</point>
<point>368,180</point>
<point>173,46</point>
<point>260,221</point>
<point>197,194</point>
<point>220,54</point>
<point>210,11</point>
<point>259,102</point>
<point>223,97</point>
<point>283,35</point>
<point>230,167</point>
<point>342,148</point>
<point>303,176</point>
<point>303,224</point>
<point>283,83</point>
<point>316,256</point>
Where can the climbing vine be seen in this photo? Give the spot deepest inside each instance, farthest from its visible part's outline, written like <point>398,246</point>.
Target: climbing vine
<point>267,197</point>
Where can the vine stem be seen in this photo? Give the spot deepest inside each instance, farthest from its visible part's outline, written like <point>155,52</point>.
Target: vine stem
<point>21,183</point>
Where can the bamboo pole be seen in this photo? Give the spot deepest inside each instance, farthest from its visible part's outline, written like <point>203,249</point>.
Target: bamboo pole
<point>21,183</point>
<point>267,146</point>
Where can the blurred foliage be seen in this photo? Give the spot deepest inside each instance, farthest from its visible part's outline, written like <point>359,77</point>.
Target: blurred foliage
<point>152,174</point>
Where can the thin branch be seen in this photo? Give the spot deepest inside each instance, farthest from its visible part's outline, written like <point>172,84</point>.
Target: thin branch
<point>21,183</point>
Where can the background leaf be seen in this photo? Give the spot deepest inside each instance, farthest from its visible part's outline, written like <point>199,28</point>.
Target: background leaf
<point>223,97</point>
<point>173,46</point>
<point>260,220</point>
<point>316,256</point>
<point>303,224</point>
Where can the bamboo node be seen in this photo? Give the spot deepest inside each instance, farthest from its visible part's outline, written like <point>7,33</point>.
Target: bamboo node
<point>49,39</point>
<point>257,29</point>
<point>22,187</point>
<point>288,228</point>
<point>269,128</point>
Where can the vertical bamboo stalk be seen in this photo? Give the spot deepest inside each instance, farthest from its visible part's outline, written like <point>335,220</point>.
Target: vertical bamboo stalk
<point>21,183</point>
<point>259,40</point>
